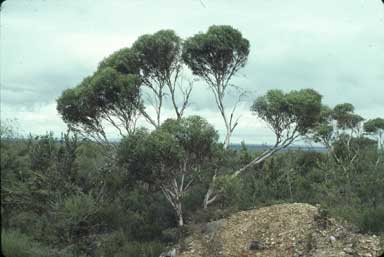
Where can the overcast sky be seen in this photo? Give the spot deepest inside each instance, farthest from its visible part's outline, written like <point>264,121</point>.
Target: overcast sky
<point>335,47</point>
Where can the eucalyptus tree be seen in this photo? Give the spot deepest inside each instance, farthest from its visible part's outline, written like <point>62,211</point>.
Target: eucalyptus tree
<point>216,56</point>
<point>105,97</point>
<point>159,59</point>
<point>375,127</point>
<point>114,93</point>
<point>170,157</point>
<point>290,116</point>
<point>341,132</point>
<point>339,127</point>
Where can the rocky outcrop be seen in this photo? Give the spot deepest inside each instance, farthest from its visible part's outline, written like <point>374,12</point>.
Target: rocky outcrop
<point>285,230</point>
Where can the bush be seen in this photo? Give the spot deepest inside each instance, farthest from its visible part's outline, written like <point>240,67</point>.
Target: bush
<point>169,235</point>
<point>111,243</point>
<point>210,214</point>
<point>141,249</point>
<point>16,244</point>
<point>372,220</point>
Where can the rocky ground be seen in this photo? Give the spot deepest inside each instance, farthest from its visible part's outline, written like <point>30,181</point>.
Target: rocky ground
<point>285,230</point>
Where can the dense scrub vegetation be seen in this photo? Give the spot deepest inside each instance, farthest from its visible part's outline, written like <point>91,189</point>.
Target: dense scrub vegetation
<point>83,195</point>
<point>65,197</point>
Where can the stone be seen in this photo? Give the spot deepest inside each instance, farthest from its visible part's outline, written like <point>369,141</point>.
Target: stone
<point>255,245</point>
<point>282,230</point>
<point>348,250</point>
<point>170,253</point>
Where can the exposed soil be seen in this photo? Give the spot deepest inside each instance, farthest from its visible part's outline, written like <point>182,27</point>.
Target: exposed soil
<point>285,230</point>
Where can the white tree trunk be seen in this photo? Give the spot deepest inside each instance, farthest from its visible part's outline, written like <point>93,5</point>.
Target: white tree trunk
<point>207,198</point>
<point>179,212</point>
<point>227,140</point>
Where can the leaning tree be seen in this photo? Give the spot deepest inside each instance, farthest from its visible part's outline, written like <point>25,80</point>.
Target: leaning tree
<point>113,94</point>
<point>290,116</point>
<point>105,97</point>
<point>216,56</point>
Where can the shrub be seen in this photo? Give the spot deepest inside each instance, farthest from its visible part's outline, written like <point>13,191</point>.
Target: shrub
<point>16,244</point>
<point>372,220</point>
<point>141,249</point>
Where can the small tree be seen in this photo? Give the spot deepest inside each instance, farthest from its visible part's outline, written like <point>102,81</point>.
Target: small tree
<point>216,56</point>
<point>375,127</point>
<point>170,157</point>
<point>289,116</point>
<point>337,130</point>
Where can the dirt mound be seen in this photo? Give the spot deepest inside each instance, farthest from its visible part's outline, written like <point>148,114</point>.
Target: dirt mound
<point>297,230</point>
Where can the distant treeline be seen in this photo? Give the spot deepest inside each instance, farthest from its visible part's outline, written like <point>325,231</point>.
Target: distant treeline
<point>263,147</point>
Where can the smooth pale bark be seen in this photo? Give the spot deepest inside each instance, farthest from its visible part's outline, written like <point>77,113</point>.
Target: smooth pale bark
<point>218,86</point>
<point>211,190</point>
<point>227,140</point>
<point>174,193</point>
<point>177,83</point>
<point>179,212</point>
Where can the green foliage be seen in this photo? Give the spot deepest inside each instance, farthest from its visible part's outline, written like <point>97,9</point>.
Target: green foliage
<point>221,50</point>
<point>245,155</point>
<point>107,95</point>
<point>16,244</point>
<point>158,55</point>
<point>296,110</point>
<point>112,92</point>
<point>374,125</point>
<point>216,56</point>
<point>76,109</point>
<point>372,220</point>
<point>159,155</point>
<point>196,136</point>
<point>124,61</point>
<point>346,119</point>
<point>70,197</point>
<point>77,201</point>
<point>76,208</point>
<point>134,249</point>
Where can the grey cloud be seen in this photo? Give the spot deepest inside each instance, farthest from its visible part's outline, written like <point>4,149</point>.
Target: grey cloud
<point>31,90</point>
<point>336,48</point>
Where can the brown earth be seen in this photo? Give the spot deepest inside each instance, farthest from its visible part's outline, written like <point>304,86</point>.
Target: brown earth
<point>285,230</point>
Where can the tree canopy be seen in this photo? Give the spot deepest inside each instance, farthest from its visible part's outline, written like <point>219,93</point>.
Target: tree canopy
<point>106,96</point>
<point>216,56</point>
<point>375,127</point>
<point>124,83</point>
<point>289,115</point>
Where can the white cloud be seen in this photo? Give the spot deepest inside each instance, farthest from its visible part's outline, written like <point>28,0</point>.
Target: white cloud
<point>38,121</point>
<point>335,47</point>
